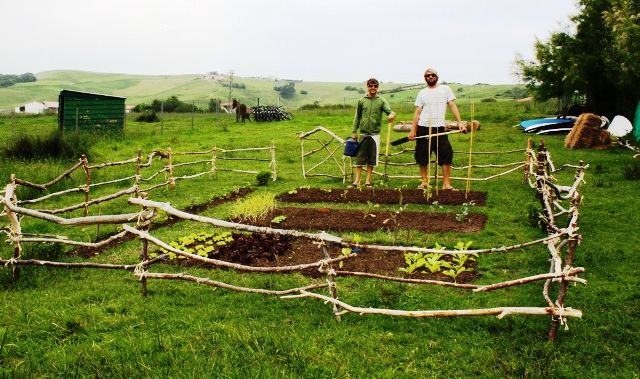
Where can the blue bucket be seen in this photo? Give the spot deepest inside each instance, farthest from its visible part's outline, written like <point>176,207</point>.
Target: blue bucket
<point>350,147</point>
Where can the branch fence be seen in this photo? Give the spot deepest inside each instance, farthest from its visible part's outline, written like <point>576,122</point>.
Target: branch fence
<point>558,203</point>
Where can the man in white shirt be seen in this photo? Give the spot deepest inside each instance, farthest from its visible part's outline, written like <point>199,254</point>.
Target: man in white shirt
<point>431,107</point>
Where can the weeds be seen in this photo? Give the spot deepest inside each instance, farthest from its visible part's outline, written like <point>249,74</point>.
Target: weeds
<point>254,207</point>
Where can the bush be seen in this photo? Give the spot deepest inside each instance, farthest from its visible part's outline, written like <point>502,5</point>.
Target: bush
<point>148,117</point>
<point>263,177</point>
<point>55,146</point>
<point>488,100</point>
<point>632,171</point>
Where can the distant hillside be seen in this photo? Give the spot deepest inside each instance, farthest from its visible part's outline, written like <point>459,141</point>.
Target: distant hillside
<point>200,88</point>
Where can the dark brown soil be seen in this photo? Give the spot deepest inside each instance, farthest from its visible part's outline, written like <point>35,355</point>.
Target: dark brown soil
<point>382,196</point>
<point>88,252</point>
<point>341,220</point>
<point>275,250</point>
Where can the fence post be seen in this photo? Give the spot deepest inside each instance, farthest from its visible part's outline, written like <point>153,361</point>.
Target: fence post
<point>172,180</point>
<point>574,240</point>
<point>331,274</point>
<point>527,161</point>
<point>87,174</point>
<point>214,157</point>
<point>273,165</point>
<point>15,231</point>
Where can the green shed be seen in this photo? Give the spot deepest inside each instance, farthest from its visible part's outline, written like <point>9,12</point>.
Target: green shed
<point>90,111</point>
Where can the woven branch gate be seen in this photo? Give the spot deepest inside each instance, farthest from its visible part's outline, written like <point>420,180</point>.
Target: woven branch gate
<point>393,164</point>
<point>558,202</point>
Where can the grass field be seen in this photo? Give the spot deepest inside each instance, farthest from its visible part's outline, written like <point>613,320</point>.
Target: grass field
<point>87,322</point>
<point>194,88</point>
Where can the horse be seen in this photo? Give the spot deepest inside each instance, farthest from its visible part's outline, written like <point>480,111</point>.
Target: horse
<point>242,112</point>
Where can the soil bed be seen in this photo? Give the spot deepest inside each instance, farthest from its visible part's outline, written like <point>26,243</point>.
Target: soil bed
<point>381,196</point>
<point>360,221</point>
<point>261,250</point>
<point>88,252</point>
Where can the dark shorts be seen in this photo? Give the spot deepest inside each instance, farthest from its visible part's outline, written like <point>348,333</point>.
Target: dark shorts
<point>367,152</point>
<point>439,145</point>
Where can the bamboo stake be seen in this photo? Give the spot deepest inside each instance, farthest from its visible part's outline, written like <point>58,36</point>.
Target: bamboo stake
<point>386,151</point>
<point>172,182</point>
<point>468,187</point>
<point>273,164</point>
<point>429,157</point>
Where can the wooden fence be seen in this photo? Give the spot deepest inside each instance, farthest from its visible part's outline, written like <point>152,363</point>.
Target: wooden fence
<point>558,202</point>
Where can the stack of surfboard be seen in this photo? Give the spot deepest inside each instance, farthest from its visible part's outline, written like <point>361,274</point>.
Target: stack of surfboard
<point>548,125</point>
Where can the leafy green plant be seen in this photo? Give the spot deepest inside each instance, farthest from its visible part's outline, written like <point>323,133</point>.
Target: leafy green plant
<point>393,221</point>
<point>263,177</point>
<point>457,266</point>
<point>465,211</point>
<point>202,244</point>
<point>278,219</point>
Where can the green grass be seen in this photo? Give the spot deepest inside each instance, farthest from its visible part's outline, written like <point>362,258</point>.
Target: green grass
<point>145,88</point>
<point>64,322</point>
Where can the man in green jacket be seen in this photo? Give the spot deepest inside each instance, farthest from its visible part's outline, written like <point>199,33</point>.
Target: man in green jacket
<point>367,120</point>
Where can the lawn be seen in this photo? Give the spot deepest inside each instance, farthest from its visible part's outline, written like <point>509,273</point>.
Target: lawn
<point>89,322</point>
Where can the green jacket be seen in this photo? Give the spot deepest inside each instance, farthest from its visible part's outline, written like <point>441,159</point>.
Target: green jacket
<point>369,113</point>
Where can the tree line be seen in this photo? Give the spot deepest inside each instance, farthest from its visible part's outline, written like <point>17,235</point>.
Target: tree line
<point>9,80</point>
<point>597,64</point>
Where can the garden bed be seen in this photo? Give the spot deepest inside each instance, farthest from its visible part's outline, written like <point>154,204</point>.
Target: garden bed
<point>262,250</point>
<point>382,196</point>
<point>347,220</point>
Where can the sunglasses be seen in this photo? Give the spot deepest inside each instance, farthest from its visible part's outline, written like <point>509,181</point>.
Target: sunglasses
<point>430,76</point>
<point>372,85</point>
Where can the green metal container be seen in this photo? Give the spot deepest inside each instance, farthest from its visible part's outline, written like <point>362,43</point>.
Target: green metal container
<point>86,111</point>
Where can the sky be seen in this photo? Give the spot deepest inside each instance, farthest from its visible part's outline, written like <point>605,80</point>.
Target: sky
<point>467,41</point>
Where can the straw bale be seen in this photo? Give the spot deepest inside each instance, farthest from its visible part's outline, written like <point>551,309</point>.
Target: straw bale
<point>587,133</point>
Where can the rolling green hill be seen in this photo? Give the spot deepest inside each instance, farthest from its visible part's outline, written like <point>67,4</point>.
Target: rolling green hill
<point>144,88</point>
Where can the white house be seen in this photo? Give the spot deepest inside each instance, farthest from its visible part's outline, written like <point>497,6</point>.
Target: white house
<point>32,107</point>
<point>36,107</point>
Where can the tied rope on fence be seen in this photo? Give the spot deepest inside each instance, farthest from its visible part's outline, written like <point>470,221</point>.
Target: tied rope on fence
<point>560,241</point>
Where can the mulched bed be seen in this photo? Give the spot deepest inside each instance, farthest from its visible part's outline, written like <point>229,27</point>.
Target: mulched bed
<point>361,221</point>
<point>381,196</point>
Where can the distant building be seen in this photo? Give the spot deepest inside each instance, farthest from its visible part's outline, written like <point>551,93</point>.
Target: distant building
<point>90,111</point>
<point>33,107</point>
<point>36,107</point>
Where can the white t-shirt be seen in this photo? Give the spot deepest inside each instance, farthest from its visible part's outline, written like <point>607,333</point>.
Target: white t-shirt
<point>434,105</point>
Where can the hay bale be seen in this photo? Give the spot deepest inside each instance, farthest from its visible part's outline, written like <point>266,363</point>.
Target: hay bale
<point>587,132</point>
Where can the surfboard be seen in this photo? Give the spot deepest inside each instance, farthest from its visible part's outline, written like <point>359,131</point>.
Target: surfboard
<point>548,126</point>
<point>526,124</point>
<point>555,130</point>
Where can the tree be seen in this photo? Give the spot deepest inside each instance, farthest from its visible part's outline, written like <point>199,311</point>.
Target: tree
<point>597,62</point>
<point>287,91</point>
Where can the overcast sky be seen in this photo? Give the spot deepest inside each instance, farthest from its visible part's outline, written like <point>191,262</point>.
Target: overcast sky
<point>468,41</point>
